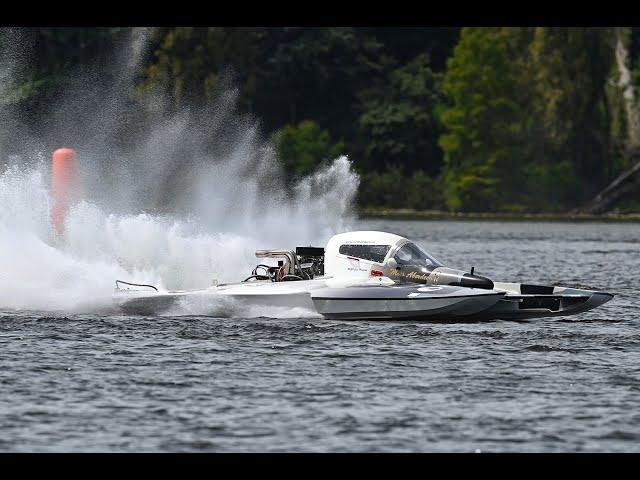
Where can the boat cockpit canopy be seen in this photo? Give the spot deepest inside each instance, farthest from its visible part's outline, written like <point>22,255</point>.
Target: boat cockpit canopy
<point>412,254</point>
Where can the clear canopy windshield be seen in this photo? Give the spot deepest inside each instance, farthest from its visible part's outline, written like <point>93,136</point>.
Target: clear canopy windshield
<point>412,254</point>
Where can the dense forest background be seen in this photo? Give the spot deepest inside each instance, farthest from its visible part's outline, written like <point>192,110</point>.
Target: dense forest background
<point>526,119</point>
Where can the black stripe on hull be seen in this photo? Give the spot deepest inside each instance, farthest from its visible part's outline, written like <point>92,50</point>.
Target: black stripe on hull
<point>426,316</point>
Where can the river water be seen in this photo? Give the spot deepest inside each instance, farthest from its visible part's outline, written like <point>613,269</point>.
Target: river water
<point>84,383</point>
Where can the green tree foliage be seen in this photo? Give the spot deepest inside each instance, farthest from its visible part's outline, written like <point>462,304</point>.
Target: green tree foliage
<point>372,87</point>
<point>486,122</point>
<point>394,189</point>
<point>529,125</point>
<point>570,68</point>
<point>398,124</point>
<point>316,73</point>
<point>41,67</point>
<point>190,62</point>
<point>515,119</point>
<point>403,44</point>
<point>302,147</point>
<point>49,58</point>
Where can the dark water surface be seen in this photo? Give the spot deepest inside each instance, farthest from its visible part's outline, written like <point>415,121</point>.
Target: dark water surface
<point>114,383</point>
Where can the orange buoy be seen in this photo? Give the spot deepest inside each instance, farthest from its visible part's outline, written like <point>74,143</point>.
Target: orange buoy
<point>63,184</point>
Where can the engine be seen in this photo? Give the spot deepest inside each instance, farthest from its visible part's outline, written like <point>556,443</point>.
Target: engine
<point>304,263</point>
<point>311,261</point>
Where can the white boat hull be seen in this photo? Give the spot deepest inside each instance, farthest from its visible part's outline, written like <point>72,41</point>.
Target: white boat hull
<point>373,301</point>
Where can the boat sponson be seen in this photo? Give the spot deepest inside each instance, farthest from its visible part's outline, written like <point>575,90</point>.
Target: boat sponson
<point>402,301</point>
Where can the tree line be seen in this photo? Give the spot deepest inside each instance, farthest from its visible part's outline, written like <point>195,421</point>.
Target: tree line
<point>517,119</point>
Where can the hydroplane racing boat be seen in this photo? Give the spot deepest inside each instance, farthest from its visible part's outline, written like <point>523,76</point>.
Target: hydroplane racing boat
<point>373,275</point>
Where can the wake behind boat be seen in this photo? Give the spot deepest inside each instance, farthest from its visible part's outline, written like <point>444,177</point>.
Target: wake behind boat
<point>372,275</point>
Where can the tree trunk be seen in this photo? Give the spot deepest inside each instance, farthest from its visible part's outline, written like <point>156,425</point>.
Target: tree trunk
<point>628,181</point>
<point>628,93</point>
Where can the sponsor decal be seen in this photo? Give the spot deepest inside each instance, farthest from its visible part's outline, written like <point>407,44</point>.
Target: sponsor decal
<point>353,265</point>
<point>410,276</point>
<point>417,276</point>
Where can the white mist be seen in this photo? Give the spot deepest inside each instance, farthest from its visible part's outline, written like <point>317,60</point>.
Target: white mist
<point>187,200</point>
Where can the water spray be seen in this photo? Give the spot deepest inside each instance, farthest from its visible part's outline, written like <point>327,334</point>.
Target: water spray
<point>189,196</point>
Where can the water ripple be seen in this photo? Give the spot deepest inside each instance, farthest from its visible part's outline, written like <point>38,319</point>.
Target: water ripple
<point>193,384</point>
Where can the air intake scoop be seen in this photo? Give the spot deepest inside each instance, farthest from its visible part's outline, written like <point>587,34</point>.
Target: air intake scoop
<point>476,281</point>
